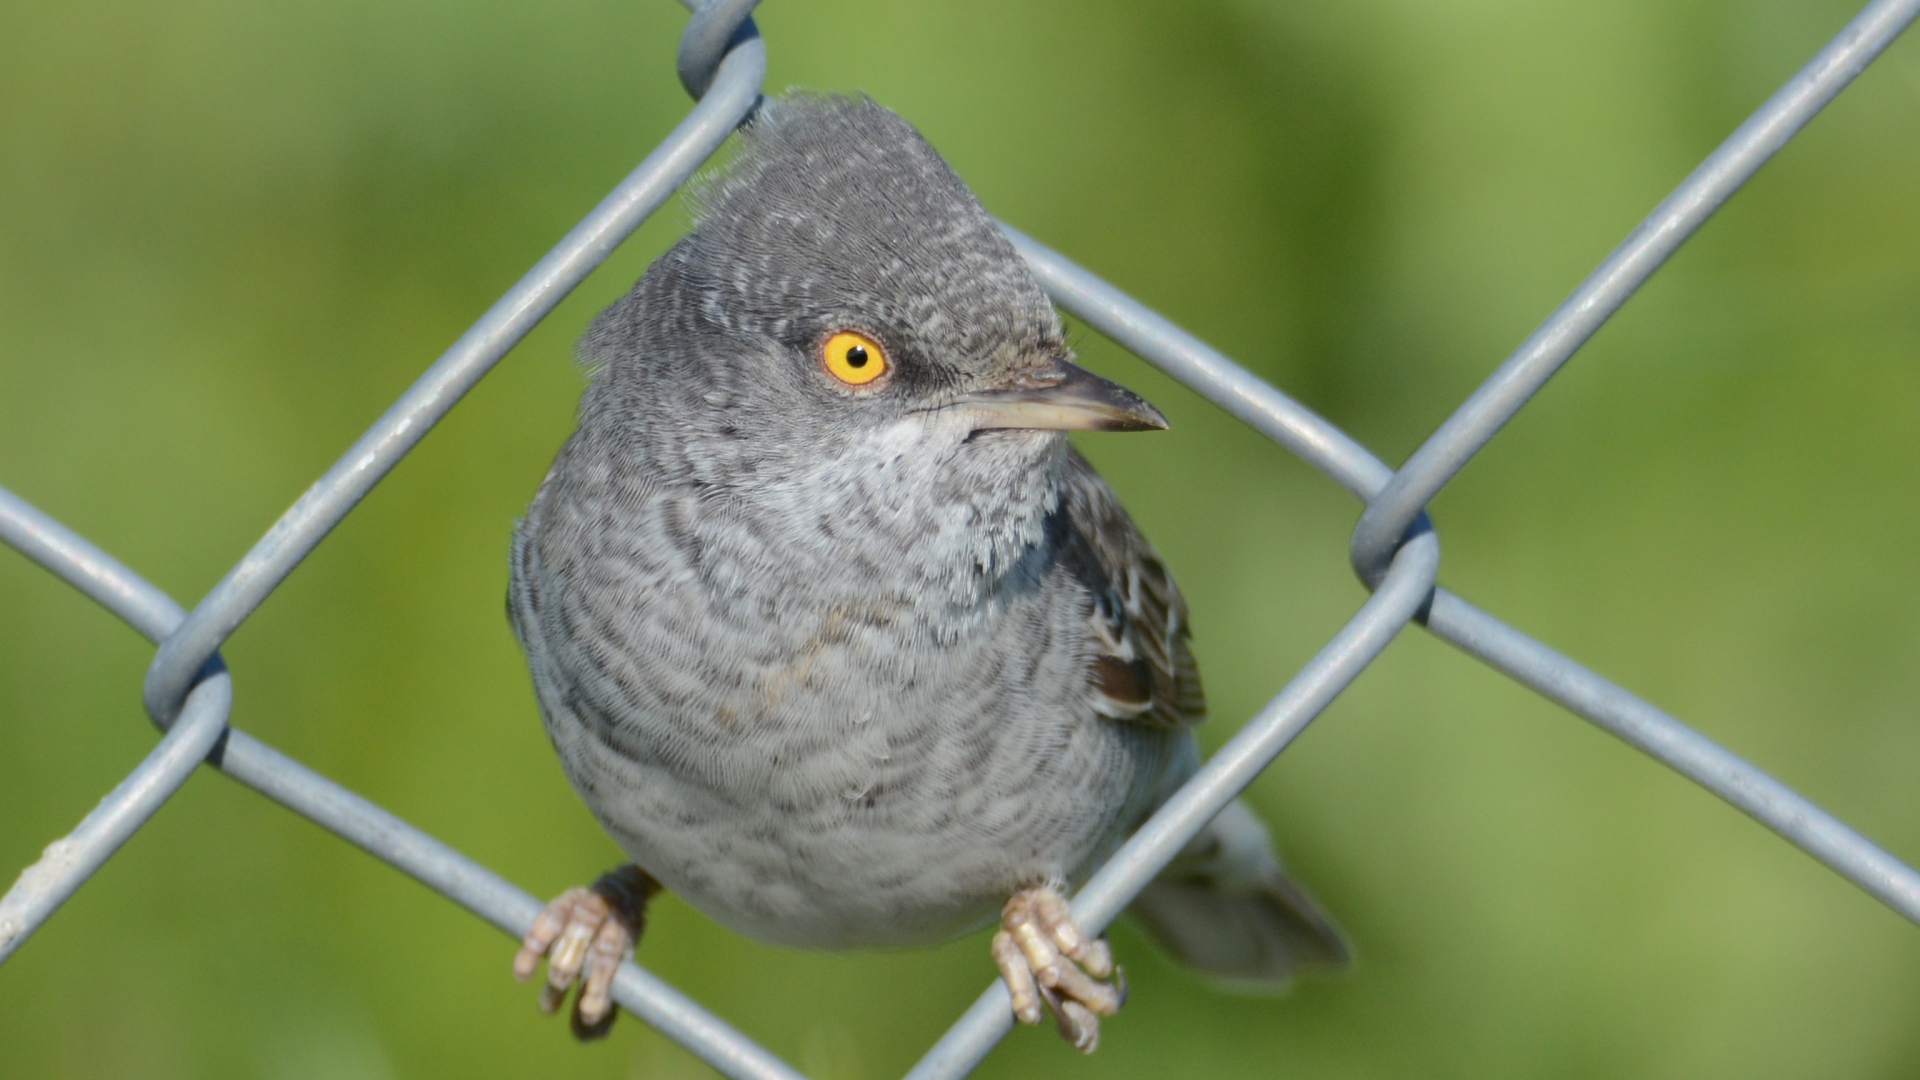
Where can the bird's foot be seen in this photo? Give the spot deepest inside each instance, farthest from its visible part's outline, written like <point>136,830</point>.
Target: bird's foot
<point>587,930</point>
<point>1047,961</point>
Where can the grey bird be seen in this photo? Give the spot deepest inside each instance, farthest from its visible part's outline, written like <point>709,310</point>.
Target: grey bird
<point>833,630</point>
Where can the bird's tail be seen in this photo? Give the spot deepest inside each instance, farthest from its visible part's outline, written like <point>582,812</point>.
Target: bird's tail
<point>1226,909</point>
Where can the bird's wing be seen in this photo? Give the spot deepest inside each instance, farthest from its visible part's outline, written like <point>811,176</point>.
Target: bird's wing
<point>1142,670</point>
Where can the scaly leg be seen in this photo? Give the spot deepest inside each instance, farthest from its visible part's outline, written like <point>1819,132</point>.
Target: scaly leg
<point>1047,961</point>
<point>590,930</point>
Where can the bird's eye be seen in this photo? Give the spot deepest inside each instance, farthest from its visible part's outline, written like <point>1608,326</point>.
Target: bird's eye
<point>853,358</point>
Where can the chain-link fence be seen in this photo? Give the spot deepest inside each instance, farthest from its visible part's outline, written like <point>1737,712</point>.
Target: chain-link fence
<point>1394,548</point>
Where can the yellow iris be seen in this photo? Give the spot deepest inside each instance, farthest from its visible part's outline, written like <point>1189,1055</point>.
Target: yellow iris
<point>854,359</point>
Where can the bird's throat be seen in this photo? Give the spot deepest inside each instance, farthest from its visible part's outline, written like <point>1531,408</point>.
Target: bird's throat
<point>924,509</point>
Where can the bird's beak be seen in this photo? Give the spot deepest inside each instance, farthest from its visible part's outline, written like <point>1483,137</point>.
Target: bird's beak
<point>1061,397</point>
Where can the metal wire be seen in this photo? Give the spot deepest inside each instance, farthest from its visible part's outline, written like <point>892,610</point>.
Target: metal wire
<point>1448,449</point>
<point>736,89</point>
<point>69,861</point>
<point>722,62</point>
<point>1557,677</point>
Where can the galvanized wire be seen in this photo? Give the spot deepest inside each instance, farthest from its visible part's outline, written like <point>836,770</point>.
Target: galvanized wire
<point>1390,512</point>
<point>68,862</point>
<point>722,62</point>
<point>736,89</point>
<point>306,792</point>
<point>1557,677</point>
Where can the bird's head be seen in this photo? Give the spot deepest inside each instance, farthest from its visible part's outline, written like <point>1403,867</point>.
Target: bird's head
<point>843,293</point>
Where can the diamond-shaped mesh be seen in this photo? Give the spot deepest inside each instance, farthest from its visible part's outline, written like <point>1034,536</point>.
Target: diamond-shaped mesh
<point>722,62</point>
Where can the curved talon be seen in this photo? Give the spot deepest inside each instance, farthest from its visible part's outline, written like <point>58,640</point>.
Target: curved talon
<point>1047,962</point>
<point>1076,1023</point>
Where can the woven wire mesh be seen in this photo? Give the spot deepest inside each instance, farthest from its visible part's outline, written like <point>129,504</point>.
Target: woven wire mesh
<point>1394,548</point>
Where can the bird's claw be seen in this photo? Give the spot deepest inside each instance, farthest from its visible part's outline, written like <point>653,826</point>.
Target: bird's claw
<point>587,932</point>
<point>1048,963</point>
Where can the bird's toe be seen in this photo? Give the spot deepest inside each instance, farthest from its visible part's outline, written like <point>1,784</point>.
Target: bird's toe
<point>585,934</point>
<point>1049,964</point>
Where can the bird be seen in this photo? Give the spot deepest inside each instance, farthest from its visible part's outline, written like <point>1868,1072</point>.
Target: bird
<point>834,631</point>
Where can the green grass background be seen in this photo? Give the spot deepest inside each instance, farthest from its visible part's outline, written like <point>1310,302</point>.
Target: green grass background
<point>231,233</point>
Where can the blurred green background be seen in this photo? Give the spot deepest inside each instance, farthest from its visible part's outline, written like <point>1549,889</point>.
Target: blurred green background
<point>231,233</point>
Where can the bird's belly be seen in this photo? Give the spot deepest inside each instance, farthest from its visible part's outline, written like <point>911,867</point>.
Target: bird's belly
<point>903,828</point>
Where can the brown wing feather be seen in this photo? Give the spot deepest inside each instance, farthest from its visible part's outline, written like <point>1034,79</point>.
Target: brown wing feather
<point>1142,670</point>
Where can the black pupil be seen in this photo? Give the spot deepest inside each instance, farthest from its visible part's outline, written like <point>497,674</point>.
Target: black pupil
<point>857,356</point>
